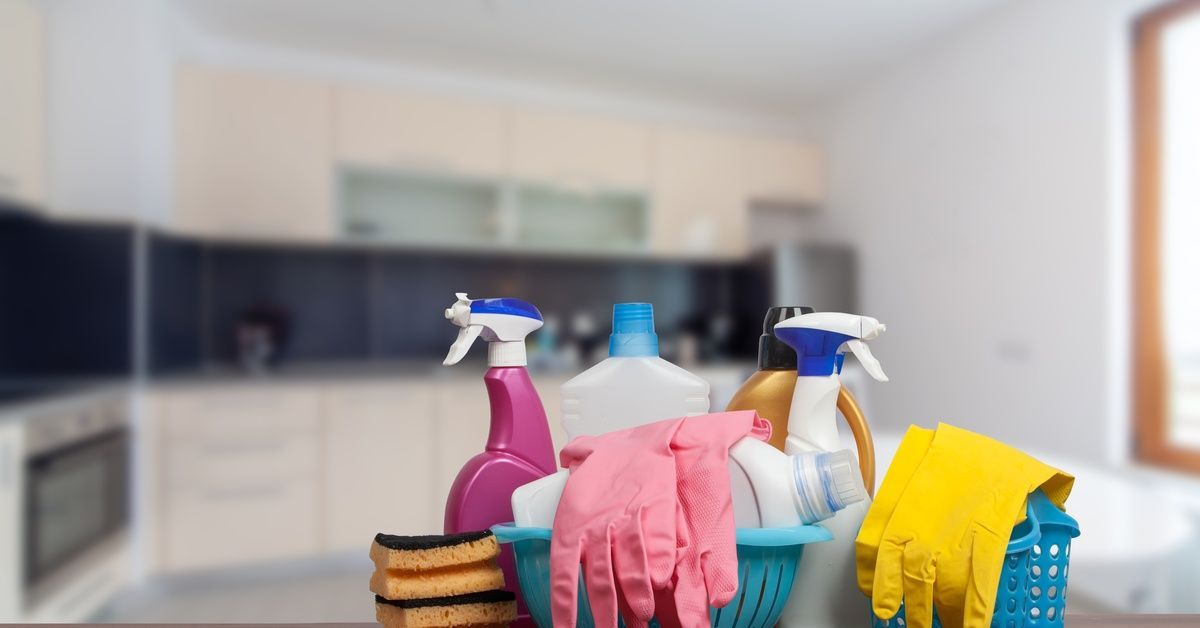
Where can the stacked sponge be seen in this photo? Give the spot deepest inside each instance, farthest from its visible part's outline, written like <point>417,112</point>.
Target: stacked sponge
<point>440,581</point>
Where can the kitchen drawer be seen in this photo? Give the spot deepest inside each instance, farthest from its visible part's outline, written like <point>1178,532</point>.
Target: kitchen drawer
<point>257,521</point>
<point>261,410</point>
<point>223,460</point>
<point>379,449</point>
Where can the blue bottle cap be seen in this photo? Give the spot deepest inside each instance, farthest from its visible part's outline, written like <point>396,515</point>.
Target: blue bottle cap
<point>633,331</point>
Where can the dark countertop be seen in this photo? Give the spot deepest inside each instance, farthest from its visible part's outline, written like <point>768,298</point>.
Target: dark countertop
<point>18,400</point>
<point>365,370</point>
<point>1073,621</point>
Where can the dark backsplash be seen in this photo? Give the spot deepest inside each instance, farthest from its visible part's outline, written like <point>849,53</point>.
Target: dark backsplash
<point>66,299</point>
<point>175,303</point>
<point>348,304</point>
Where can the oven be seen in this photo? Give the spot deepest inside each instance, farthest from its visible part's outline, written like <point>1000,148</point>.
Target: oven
<point>77,490</point>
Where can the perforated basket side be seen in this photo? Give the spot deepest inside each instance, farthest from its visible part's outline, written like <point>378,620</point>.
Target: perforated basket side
<point>1049,565</point>
<point>765,576</point>
<point>767,561</point>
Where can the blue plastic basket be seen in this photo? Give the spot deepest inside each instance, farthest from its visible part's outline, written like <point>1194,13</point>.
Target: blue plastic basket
<point>1033,581</point>
<point>767,559</point>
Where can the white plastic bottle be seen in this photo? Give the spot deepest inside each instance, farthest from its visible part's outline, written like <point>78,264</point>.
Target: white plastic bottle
<point>784,491</point>
<point>788,490</point>
<point>634,386</point>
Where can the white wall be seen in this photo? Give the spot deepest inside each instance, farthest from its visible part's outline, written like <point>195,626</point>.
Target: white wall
<point>984,179</point>
<point>109,122</point>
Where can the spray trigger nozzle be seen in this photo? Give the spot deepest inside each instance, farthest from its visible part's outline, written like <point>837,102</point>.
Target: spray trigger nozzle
<point>867,359</point>
<point>501,321</point>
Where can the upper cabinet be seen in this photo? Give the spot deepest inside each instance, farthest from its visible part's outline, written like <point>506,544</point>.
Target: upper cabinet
<point>700,203</point>
<point>253,155</point>
<point>417,133</point>
<point>783,171</point>
<point>269,157</point>
<point>580,151</point>
<point>22,104</point>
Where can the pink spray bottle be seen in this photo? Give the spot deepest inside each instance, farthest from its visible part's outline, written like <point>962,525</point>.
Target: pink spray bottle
<point>519,449</point>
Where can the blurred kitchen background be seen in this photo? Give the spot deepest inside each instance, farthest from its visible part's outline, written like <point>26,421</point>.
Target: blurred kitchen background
<point>228,230</point>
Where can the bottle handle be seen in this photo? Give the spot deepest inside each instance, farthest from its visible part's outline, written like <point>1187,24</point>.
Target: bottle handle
<point>848,407</point>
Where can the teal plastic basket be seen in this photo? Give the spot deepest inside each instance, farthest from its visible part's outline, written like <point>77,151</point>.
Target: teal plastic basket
<point>767,559</point>
<point>1033,581</point>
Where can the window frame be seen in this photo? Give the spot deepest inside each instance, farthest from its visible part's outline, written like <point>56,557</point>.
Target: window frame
<point>1149,356</point>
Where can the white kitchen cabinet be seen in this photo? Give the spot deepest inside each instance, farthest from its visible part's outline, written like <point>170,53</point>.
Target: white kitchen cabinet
<point>578,150</point>
<point>253,155</point>
<point>783,171</point>
<point>700,206</point>
<point>463,421</point>
<point>219,526</point>
<point>22,103</point>
<point>241,473</point>
<point>379,462</point>
<point>238,475</point>
<point>393,129</point>
<point>12,517</point>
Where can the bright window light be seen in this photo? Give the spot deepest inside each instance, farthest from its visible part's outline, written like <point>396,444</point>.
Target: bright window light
<point>1180,261</point>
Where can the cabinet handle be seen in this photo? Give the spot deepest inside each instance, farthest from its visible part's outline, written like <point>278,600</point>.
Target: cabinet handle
<point>240,402</point>
<point>426,164</point>
<point>361,227</point>
<point>259,447</point>
<point>8,183</point>
<point>244,493</point>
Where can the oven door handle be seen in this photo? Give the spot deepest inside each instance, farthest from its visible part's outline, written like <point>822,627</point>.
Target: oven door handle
<point>117,439</point>
<point>261,491</point>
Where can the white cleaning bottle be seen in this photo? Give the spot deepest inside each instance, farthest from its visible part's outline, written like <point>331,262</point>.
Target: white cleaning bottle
<point>825,592</point>
<point>634,386</point>
<point>785,491</point>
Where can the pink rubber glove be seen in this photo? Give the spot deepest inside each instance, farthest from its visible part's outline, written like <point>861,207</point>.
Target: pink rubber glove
<point>707,569</point>
<point>617,516</point>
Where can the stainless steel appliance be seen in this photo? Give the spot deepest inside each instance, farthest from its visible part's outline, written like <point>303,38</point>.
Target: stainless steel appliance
<point>819,275</point>
<point>76,504</point>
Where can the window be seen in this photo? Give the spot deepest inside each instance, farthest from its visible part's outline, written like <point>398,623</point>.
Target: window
<point>1167,235</point>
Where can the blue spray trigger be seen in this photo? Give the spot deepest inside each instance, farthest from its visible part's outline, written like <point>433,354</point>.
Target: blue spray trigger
<point>816,349</point>
<point>507,306</point>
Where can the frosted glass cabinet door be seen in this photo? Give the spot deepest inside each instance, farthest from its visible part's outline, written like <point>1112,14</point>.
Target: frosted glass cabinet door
<point>699,194</point>
<point>253,155</point>
<point>415,132</point>
<point>379,454</point>
<point>22,106</point>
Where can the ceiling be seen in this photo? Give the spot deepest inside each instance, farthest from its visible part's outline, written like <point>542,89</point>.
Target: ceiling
<point>756,53</point>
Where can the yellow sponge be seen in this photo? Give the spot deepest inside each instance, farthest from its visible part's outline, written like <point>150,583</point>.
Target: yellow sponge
<point>474,610</point>
<point>415,553</point>
<point>402,584</point>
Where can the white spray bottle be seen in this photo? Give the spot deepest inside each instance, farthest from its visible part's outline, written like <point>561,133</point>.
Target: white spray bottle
<point>825,592</point>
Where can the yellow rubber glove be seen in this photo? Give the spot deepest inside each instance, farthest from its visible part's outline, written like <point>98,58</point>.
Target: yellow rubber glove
<point>938,530</point>
<point>904,464</point>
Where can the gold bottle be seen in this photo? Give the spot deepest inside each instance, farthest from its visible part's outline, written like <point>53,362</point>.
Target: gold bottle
<point>769,392</point>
